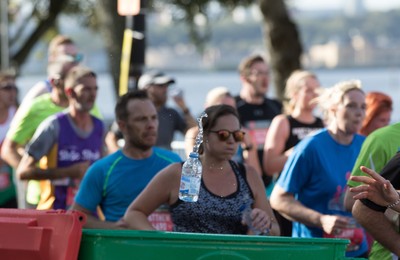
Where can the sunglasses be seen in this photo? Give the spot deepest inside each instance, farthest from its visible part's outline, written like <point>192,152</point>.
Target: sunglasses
<point>77,58</point>
<point>224,135</point>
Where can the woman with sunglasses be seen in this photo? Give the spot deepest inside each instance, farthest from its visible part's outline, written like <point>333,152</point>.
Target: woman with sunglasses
<point>312,185</point>
<point>247,151</point>
<point>227,188</point>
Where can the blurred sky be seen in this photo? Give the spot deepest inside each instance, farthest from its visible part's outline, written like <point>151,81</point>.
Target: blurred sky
<point>337,4</point>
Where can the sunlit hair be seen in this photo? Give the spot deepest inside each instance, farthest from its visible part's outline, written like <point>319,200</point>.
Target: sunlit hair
<point>333,96</point>
<point>294,83</point>
<point>213,114</point>
<point>121,108</point>
<point>57,41</point>
<point>377,103</point>
<point>246,64</point>
<point>56,69</point>
<point>76,74</point>
<point>215,95</point>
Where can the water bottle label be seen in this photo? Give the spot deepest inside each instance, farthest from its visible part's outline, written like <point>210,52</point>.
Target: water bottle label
<point>185,184</point>
<point>189,185</point>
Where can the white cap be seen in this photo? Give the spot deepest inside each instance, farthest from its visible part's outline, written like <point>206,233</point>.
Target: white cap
<point>154,78</point>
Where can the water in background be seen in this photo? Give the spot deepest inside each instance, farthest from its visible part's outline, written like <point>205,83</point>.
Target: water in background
<point>196,84</point>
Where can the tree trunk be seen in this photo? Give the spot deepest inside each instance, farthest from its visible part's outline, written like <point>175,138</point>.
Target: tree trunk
<point>55,8</point>
<point>112,27</point>
<point>283,43</point>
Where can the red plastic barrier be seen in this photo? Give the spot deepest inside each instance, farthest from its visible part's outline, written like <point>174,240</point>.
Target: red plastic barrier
<point>36,234</point>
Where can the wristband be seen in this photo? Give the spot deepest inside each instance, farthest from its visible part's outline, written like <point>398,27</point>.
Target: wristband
<point>393,204</point>
<point>374,206</point>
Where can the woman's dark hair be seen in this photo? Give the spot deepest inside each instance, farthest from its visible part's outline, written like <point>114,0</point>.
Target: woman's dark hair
<point>213,113</point>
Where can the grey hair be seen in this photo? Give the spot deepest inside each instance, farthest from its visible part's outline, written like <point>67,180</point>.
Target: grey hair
<point>333,96</point>
<point>216,94</point>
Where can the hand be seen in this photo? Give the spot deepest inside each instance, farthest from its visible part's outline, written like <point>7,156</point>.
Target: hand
<point>375,188</point>
<point>260,220</point>
<point>121,224</point>
<point>180,102</point>
<point>332,224</point>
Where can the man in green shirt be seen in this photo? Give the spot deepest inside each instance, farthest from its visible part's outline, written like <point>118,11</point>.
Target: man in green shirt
<point>379,147</point>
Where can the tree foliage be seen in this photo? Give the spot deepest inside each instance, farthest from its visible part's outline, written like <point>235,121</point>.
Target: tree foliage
<point>280,32</point>
<point>43,14</point>
<point>187,11</point>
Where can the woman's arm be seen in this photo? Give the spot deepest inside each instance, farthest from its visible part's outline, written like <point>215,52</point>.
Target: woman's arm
<point>378,226</point>
<point>163,188</point>
<point>292,209</point>
<point>274,154</point>
<point>262,214</point>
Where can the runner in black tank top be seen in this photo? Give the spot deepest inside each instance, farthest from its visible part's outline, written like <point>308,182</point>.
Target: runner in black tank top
<point>289,129</point>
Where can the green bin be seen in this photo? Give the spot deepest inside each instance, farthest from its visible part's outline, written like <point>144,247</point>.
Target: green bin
<point>132,244</point>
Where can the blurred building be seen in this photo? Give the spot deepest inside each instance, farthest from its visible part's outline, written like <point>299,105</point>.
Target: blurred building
<point>354,8</point>
<point>356,52</point>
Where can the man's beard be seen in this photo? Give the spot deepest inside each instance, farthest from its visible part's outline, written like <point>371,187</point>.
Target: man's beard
<point>259,94</point>
<point>136,142</point>
<point>139,145</point>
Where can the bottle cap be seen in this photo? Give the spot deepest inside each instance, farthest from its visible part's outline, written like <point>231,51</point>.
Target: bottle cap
<point>194,155</point>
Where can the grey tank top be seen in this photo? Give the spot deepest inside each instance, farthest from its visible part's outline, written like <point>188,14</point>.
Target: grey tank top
<point>212,213</point>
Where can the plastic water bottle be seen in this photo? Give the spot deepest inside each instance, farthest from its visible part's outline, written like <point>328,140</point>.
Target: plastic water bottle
<point>191,178</point>
<point>246,217</point>
<point>192,169</point>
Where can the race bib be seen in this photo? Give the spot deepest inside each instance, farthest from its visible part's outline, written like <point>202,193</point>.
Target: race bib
<point>355,235</point>
<point>258,130</point>
<point>5,176</point>
<point>5,181</point>
<point>161,219</point>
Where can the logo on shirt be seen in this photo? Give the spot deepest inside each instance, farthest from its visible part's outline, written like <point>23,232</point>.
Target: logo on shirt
<point>84,155</point>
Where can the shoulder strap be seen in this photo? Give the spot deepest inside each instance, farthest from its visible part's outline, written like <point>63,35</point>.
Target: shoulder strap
<point>242,168</point>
